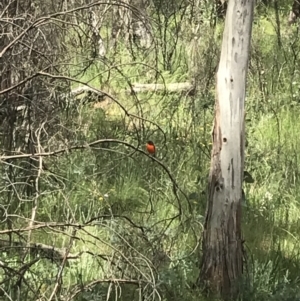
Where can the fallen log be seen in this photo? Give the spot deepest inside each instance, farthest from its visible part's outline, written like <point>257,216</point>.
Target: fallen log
<point>38,249</point>
<point>83,89</point>
<point>139,88</point>
<point>171,88</point>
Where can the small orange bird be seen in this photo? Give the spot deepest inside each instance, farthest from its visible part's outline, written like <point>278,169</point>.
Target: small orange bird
<point>150,148</point>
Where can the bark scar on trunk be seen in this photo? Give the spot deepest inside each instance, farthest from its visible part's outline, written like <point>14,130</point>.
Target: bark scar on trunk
<point>232,174</point>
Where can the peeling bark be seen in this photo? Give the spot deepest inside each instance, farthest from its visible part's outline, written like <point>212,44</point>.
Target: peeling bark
<point>222,261</point>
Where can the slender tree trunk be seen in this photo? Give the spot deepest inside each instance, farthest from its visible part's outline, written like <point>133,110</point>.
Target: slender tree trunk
<point>295,12</point>
<point>278,25</point>
<point>222,261</point>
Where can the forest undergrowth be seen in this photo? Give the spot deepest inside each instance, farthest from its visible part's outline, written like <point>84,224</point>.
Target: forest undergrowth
<point>131,224</point>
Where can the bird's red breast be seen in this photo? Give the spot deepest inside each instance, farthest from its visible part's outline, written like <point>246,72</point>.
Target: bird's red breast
<point>150,148</point>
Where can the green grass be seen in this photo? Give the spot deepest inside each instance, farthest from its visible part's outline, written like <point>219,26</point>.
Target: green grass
<point>138,188</point>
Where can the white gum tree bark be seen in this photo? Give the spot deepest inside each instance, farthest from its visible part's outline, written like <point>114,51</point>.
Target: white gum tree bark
<point>222,262</point>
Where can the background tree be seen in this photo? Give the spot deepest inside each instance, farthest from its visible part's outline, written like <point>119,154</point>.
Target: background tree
<point>295,12</point>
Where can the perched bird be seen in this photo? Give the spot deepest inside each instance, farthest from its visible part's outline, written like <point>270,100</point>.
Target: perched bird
<point>150,148</point>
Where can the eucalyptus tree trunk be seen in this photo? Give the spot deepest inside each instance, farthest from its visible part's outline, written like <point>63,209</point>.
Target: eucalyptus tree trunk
<point>222,261</point>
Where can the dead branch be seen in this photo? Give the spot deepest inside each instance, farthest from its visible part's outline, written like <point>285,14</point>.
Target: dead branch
<point>38,249</point>
<point>78,289</point>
